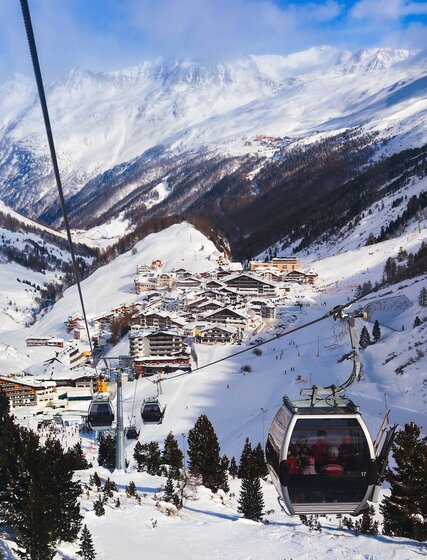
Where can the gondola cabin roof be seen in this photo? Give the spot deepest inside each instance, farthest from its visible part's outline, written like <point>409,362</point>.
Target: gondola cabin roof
<point>321,406</point>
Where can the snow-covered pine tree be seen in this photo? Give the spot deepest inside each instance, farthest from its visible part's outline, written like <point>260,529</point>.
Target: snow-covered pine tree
<point>251,501</point>
<point>405,510</point>
<point>203,454</point>
<point>78,459</point>
<point>245,464</point>
<point>172,455</point>
<point>86,550</point>
<point>376,331</point>
<point>365,339</point>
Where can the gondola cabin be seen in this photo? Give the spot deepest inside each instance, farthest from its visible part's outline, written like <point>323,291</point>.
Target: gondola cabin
<point>321,457</point>
<point>132,432</point>
<point>151,412</point>
<point>100,414</point>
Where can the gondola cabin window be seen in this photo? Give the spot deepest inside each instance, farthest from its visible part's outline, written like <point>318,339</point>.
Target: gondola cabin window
<point>328,461</point>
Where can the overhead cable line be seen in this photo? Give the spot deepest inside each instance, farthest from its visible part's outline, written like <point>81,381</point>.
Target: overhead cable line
<point>43,103</point>
<point>335,312</point>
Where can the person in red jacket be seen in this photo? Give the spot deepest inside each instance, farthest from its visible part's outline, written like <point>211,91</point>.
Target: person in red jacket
<point>319,449</point>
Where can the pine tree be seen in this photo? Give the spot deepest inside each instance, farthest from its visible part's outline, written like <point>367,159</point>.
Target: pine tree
<point>137,455</point>
<point>95,480</point>
<point>366,524</point>
<point>172,455</point>
<point>251,501</point>
<point>168,492</point>
<point>223,475</point>
<point>107,451</point>
<point>376,331</point>
<point>98,507</point>
<point>109,488</point>
<point>86,550</point>
<point>260,464</point>
<point>131,490</point>
<point>390,270</point>
<point>417,322</point>
<point>422,298</point>
<point>203,454</point>
<point>148,457</point>
<point>77,457</point>
<point>37,490</point>
<point>245,464</point>
<point>405,510</point>
<point>233,469</point>
<point>365,339</point>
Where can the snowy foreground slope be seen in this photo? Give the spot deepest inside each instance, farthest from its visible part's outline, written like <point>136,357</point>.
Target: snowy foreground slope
<point>209,526</point>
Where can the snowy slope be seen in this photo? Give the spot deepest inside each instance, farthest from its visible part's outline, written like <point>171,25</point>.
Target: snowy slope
<point>101,120</point>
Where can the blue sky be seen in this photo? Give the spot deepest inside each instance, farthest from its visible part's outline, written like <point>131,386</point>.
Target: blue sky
<point>110,34</point>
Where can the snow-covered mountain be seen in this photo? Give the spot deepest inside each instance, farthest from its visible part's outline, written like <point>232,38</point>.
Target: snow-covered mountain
<point>180,107</point>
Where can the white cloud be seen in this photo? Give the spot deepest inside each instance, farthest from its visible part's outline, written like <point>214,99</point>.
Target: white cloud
<point>387,9</point>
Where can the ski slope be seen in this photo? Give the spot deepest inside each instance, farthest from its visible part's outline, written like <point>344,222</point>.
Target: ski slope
<point>209,526</point>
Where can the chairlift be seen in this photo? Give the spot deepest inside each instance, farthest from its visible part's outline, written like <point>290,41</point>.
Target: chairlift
<point>151,412</point>
<point>100,414</point>
<point>321,457</point>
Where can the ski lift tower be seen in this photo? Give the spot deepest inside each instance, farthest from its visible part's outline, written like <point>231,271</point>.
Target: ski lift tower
<point>116,366</point>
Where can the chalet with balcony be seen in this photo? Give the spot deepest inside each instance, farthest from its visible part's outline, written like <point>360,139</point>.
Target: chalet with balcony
<point>228,317</point>
<point>249,284</point>
<point>217,334</point>
<point>158,351</point>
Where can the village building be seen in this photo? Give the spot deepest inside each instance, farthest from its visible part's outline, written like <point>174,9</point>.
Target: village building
<point>159,320</point>
<point>280,263</point>
<point>27,391</point>
<point>188,282</point>
<point>228,317</point>
<point>301,277</point>
<point>217,334</point>
<point>143,269</point>
<point>158,351</point>
<point>44,341</point>
<point>250,284</point>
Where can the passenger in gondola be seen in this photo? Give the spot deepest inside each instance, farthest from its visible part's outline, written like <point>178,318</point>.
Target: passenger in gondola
<point>309,467</point>
<point>302,450</point>
<point>347,454</point>
<point>293,464</point>
<point>332,466</point>
<point>319,450</point>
